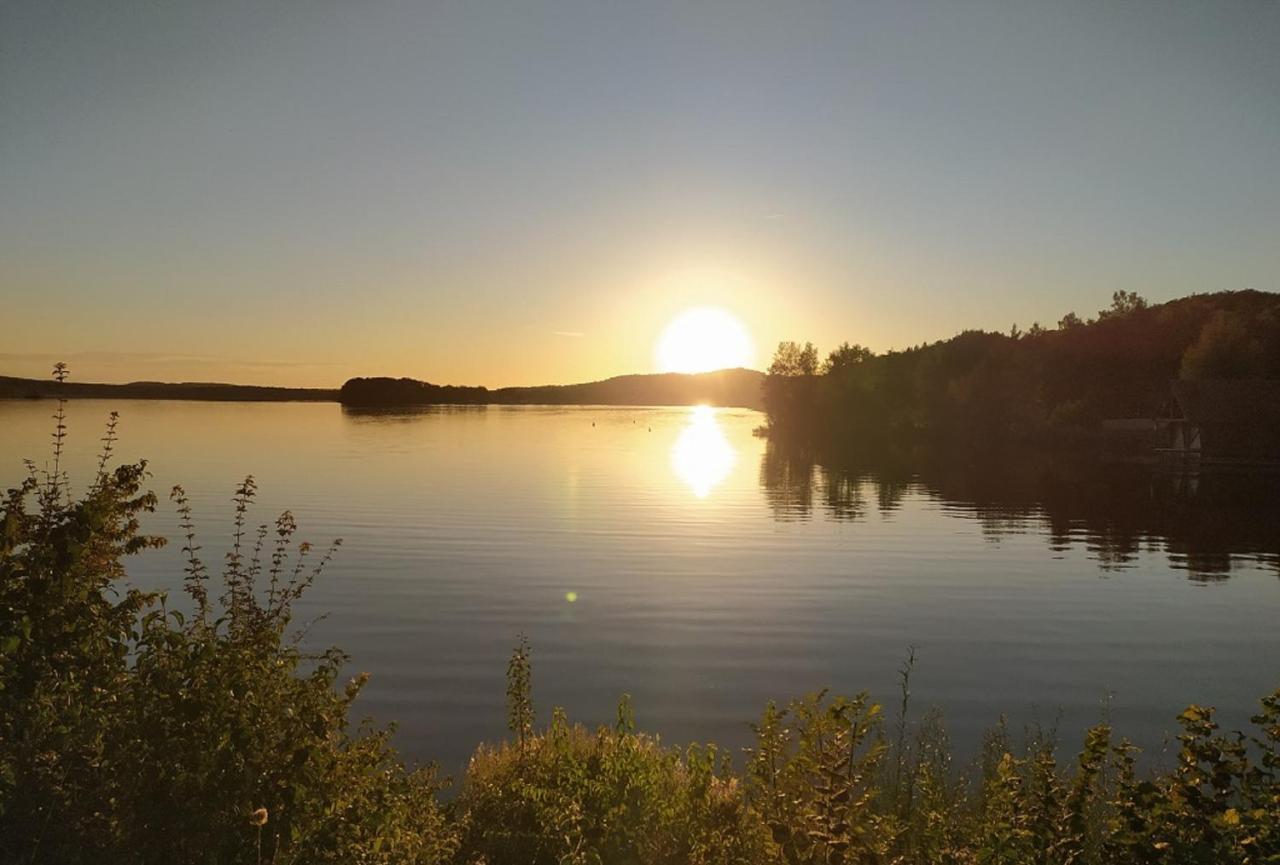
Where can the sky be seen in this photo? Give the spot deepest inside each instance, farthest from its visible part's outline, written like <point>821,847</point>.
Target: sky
<point>525,193</point>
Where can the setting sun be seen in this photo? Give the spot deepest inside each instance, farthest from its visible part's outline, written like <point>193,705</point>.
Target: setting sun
<point>703,339</point>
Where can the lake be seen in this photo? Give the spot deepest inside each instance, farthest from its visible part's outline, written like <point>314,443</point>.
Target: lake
<point>672,554</point>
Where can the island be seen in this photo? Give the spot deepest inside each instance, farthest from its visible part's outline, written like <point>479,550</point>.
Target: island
<point>737,388</point>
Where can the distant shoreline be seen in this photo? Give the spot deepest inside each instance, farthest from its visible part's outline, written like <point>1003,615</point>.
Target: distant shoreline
<point>30,388</point>
<point>734,388</point>
<point>730,388</point>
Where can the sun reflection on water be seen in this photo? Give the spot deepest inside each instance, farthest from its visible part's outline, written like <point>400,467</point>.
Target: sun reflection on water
<point>702,457</point>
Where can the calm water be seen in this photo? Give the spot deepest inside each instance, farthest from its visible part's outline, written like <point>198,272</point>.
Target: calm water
<point>710,572</point>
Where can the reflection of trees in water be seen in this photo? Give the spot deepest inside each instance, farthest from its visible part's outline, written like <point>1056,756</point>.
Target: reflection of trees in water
<point>787,478</point>
<point>791,477</point>
<point>1204,522</point>
<point>406,413</point>
<point>842,495</point>
<point>890,492</point>
<point>792,481</point>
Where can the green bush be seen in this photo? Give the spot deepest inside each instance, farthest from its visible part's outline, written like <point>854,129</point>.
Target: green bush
<point>132,733</point>
<point>570,795</point>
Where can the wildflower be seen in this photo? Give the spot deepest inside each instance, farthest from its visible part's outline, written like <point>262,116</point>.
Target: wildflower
<point>258,818</point>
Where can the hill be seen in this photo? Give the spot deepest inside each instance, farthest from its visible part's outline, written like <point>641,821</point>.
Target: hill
<point>729,387</point>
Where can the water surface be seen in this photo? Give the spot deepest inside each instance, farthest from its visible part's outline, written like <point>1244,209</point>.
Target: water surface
<point>672,554</point>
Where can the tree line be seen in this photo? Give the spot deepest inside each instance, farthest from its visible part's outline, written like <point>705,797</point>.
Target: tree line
<point>1038,383</point>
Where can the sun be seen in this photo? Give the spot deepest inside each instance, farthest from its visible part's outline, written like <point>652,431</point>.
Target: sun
<point>703,339</point>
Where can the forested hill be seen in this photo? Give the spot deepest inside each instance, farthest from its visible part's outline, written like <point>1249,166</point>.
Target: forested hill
<point>729,387</point>
<point>1033,383</point>
<point>31,388</point>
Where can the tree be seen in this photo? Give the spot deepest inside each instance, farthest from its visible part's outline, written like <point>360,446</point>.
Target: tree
<point>1224,349</point>
<point>792,360</point>
<point>1069,321</point>
<point>1123,303</point>
<point>845,356</point>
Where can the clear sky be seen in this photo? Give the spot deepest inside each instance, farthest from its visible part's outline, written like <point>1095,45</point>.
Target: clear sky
<point>522,193</point>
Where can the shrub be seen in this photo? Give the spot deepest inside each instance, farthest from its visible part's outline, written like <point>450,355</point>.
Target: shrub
<point>571,795</point>
<point>130,732</point>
